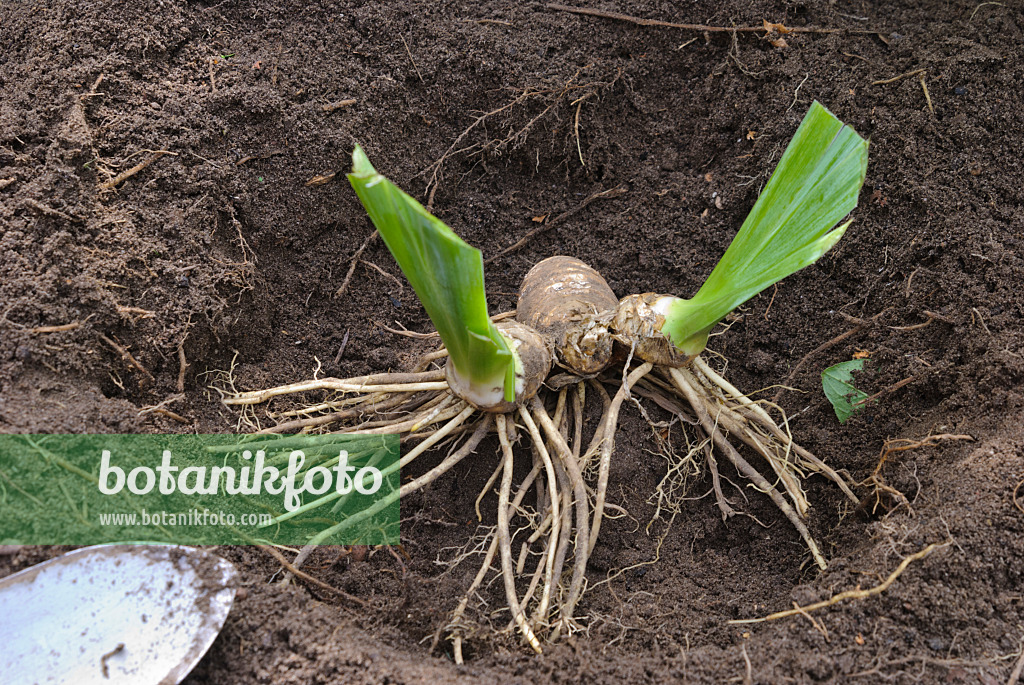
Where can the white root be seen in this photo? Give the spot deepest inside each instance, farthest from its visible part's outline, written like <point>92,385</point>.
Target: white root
<point>336,404</point>
<point>486,489</point>
<point>406,382</point>
<point>426,360</point>
<point>412,486</point>
<point>421,406</point>
<point>579,399</point>
<point>811,461</point>
<point>434,410</point>
<point>729,388</point>
<point>688,386</point>
<point>438,435</point>
<point>735,424</point>
<point>565,530</point>
<point>460,610</point>
<point>457,615</point>
<point>753,413</point>
<point>540,570</point>
<point>504,539</point>
<point>607,445</point>
<point>556,519</point>
<point>575,477</point>
<point>782,468</point>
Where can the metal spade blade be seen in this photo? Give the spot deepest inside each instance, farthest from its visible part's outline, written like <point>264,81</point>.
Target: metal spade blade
<point>113,615</point>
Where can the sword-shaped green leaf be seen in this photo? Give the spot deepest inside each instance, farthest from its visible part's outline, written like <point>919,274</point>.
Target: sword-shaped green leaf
<point>446,273</point>
<point>791,225</point>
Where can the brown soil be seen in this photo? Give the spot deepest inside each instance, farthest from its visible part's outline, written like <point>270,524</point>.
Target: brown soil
<point>221,247</point>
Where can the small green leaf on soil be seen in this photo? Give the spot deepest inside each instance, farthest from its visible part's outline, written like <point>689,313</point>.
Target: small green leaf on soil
<point>837,382</point>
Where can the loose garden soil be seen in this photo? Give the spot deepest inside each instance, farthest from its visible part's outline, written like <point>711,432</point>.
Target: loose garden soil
<point>231,245</point>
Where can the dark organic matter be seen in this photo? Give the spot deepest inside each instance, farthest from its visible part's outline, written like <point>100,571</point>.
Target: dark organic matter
<point>219,249</point>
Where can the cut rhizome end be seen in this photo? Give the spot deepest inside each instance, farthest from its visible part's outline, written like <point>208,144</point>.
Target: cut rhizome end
<point>637,325</point>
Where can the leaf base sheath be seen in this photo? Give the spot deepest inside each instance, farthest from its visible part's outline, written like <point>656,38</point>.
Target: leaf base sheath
<point>532,365</point>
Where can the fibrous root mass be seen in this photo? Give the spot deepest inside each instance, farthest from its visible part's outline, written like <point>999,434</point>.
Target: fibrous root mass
<point>548,521</point>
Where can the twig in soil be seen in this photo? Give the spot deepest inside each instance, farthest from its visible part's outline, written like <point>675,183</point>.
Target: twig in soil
<point>213,84</point>
<point>407,333</point>
<point>911,280</point>
<point>748,675</point>
<point>553,96</point>
<point>734,55</point>
<point>927,97</point>
<point>95,85</point>
<point>384,273</point>
<point>917,658</point>
<point>974,310</point>
<point>903,444</point>
<point>488,21</point>
<point>353,263</point>
<point>310,579</point>
<point>162,409</point>
<point>894,79</point>
<point>182,362</point>
<point>796,92</point>
<point>249,158</point>
<point>277,59</point>
<point>1018,669</point>
<point>409,52</point>
<point>435,168</point>
<point>400,558</point>
<point>55,329</point>
<point>50,211</point>
<point>182,365</point>
<point>818,625</point>
<point>603,195</point>
<point>931,317</point>
<point>771,301</point>
<point>852,594</point>
<point>161,405</point>
<point>211,163</point>
<point>125,175</point>
<point>321,179</point>
<point>341,350</point>
<point>338,105</point>
<point>767,27</point>
<point>127,356</point>
<point>969,21</point>
<point>1015,502</point>
<point>576,127</point>
<point>892,388</point>
<point>862,324</point>
<point>171,415</point>
<point>126,312</point>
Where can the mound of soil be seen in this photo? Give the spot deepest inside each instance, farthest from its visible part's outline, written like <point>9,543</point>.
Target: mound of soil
<point>220,258</point>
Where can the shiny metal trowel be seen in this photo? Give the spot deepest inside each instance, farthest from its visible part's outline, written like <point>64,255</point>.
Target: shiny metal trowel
<point>113,615</point>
